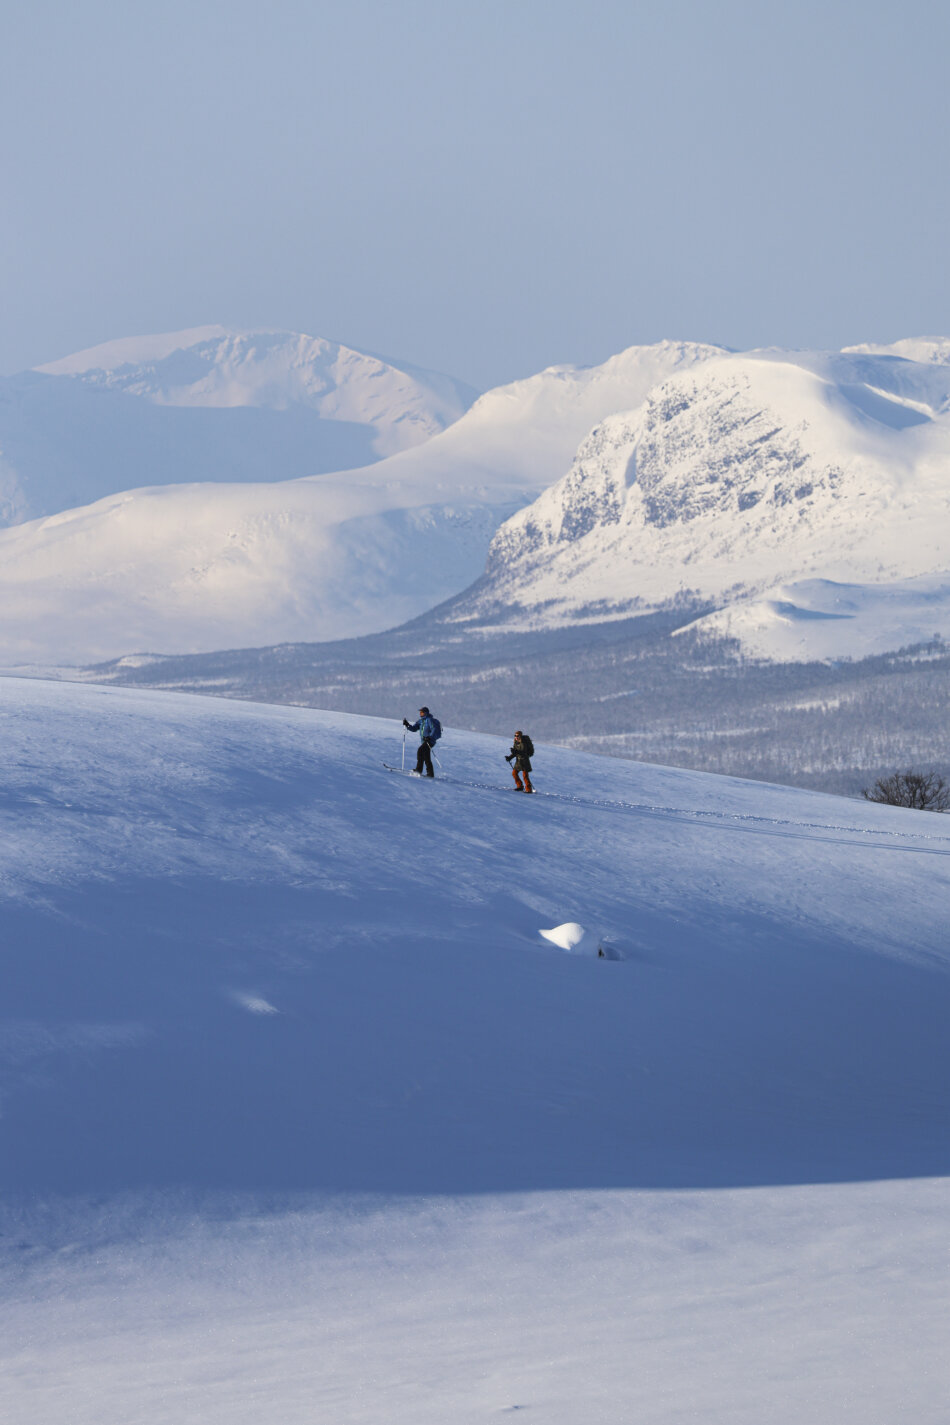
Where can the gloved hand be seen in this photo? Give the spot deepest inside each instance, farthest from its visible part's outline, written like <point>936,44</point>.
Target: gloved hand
<point>405,722</point>
<point>509,758</point>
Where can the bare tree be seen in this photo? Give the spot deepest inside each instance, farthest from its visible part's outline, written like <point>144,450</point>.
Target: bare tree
<point>926,791</point>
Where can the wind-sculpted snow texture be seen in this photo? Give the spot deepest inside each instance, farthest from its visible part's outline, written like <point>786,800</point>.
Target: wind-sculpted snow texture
<point>304,1119</point>
<point>194,567</point>
<point>742,470</point>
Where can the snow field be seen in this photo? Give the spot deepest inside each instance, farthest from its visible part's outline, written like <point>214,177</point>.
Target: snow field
<point>818,1304</point>
<point>303,1119</point>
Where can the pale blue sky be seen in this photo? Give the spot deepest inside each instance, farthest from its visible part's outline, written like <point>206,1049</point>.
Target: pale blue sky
<point>486,187</point>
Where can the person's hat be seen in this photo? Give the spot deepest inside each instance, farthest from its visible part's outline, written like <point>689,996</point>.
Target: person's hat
<point>424,710</point>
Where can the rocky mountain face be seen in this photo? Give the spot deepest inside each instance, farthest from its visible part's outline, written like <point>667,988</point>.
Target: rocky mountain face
<point>737,475</point>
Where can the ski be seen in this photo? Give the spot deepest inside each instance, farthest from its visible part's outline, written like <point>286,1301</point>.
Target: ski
<point>458,781</point>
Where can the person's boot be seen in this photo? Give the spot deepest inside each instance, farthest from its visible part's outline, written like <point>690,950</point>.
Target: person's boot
<point>527,782</point>
<point>517,776</point>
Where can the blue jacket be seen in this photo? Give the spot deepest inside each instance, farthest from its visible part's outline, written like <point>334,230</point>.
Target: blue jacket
<point>423,727</point>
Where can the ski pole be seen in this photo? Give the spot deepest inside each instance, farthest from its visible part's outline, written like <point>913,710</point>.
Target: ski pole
<point>404,750</point>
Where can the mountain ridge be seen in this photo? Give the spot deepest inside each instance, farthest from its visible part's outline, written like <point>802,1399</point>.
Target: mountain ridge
<point>694,476</point>
<point>216,366</point>
<point>198,567</point>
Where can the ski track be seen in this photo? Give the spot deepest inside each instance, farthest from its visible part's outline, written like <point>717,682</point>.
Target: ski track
<point>713,819</point>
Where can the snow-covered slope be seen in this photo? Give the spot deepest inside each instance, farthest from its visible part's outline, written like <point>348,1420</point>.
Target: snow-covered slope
<point>206,405</point>
<point>304,1119</point>
<point>730,478</point>
<point>817,618</point>
<point>199,567</point>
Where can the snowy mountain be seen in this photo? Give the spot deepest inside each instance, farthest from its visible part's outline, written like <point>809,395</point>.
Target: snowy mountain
<point>200,566</point>
<point>216,367</point>
<point>305,1118</point>
<point>699,478</point>
<point>206,405</point>
<point>747,472</point>
<point>916,348</point>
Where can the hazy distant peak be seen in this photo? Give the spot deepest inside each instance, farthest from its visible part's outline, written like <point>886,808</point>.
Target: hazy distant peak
<point>215,366</point>
<point>132,351</point>
<point>934,349</point>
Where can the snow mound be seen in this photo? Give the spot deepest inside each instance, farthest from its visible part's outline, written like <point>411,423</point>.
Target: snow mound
<point>570,937</point>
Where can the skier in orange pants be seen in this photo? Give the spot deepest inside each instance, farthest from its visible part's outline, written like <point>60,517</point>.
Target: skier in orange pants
<point>522,750</point>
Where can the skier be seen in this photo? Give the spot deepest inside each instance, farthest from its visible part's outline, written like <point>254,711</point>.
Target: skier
<point>430,730</point>
<point>522,750</point>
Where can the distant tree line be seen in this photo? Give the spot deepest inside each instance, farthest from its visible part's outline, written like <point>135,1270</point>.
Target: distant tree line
<point>626,689</point>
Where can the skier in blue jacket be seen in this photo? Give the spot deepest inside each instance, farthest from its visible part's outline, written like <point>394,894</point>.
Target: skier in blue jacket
<point>426,728</point>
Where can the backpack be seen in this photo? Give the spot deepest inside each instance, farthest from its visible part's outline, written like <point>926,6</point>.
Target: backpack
<point>435,729</point>
<point>527,744</point>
